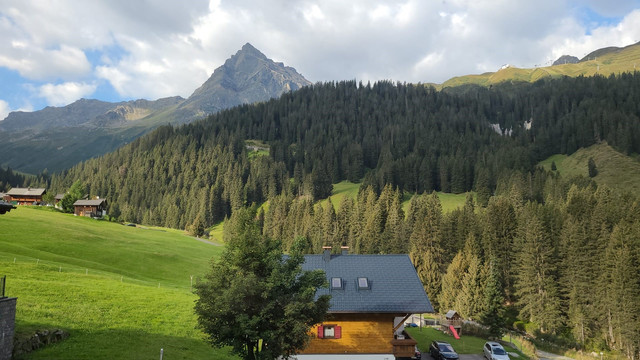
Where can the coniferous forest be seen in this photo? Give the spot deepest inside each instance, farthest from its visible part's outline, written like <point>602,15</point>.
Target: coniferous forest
<point>564,252</point>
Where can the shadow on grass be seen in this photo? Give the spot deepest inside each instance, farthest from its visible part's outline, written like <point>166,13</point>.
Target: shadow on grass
<point>122,344</point>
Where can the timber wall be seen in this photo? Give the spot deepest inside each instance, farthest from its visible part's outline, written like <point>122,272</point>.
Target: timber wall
<point>361,334</point>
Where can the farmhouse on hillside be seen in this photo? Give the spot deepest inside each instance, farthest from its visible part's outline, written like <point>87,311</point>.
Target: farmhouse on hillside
<point>25,196</point>
<point>90,208</point>
<point>371,297</point>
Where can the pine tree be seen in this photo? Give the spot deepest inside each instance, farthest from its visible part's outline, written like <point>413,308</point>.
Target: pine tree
<point>536,285</point>
<point>493,314</point>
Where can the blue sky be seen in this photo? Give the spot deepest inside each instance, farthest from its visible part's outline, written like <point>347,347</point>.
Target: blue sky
<point>120,49</point>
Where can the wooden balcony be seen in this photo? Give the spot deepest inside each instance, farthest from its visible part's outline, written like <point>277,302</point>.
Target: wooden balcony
<point>404,347</point>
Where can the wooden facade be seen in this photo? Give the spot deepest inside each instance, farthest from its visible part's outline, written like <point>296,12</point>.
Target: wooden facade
<point>25,196</point>
<point>90,208</point>
<point>360,334</point>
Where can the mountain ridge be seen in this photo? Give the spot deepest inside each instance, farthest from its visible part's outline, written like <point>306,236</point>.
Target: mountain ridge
<point>34,140</point>
<point>604,61</point>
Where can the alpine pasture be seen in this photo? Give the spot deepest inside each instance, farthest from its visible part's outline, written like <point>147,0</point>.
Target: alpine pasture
<point>121,292</point>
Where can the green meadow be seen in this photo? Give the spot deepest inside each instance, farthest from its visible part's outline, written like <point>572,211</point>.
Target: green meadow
<point>616,170</point>
<point>121,292</point>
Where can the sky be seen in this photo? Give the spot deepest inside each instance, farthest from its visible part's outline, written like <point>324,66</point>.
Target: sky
<point>54,52</point>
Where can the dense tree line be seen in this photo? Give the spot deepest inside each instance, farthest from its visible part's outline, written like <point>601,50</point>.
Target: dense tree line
<point>409,136</point>
<point>10,179</point>
<point>570,263</point>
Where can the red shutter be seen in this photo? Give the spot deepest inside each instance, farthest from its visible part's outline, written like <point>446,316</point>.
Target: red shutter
<point>337,330</point>
<point>320,332</point>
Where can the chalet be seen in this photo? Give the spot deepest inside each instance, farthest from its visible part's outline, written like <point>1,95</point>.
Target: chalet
<point>22,196</point>
<point>90,208</point>
<point>371,297</point>
<point>57,199</point>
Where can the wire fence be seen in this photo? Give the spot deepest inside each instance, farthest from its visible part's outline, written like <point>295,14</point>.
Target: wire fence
<point>53,266</point>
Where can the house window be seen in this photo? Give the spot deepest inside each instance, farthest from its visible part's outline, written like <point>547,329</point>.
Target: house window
<point>329,332</point>
<point>363,283</point>
<point>336,283</point>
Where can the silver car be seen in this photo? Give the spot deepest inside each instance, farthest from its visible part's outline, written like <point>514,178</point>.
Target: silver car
<point>494,351</point>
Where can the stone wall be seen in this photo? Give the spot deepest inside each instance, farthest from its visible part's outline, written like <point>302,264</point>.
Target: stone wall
<point>7,326</point>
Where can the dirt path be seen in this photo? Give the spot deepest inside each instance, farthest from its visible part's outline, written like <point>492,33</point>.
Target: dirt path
<point>206,241</point>
<point>543,355</point>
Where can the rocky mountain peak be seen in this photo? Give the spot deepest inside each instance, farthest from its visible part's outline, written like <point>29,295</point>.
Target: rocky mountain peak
<point>246,77</point>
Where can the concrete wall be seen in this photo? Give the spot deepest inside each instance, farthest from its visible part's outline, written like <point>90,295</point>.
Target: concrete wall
<point>7,326</point>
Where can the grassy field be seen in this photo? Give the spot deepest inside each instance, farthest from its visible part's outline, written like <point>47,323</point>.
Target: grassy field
<point>615,169</point>
<point>625,60</point>
<point>121,292</point>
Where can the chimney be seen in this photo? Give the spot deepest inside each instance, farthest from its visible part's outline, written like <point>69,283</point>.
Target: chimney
<point>345,250</point>
<point>326,253</point>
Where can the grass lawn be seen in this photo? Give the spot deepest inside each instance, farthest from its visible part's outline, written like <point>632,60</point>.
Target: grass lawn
<point>121,292</point>
<point>465,345</point>
<point>107,319</point>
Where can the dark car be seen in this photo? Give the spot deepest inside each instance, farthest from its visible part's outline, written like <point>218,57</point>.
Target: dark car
<point>442,351</point>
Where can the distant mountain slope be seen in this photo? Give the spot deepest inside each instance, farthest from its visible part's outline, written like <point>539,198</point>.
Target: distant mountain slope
<point>55,138</point>
<point>616,170</point>
<point>606,61</point>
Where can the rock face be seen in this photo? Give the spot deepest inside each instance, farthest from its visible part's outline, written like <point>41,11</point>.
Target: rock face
<point>55,138</point>
<point>566,59</point>
<point>39,339</point>
<point>247,77</point>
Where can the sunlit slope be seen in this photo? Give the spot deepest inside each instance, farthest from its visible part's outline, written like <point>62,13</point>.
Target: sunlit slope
<point>615,62</point>
<point>616,170</point>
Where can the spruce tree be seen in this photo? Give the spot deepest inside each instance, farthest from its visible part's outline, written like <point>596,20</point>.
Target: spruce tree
<point>494,311</point>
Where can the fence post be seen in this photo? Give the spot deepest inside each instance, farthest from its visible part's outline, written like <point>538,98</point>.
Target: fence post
<point>161,353</point>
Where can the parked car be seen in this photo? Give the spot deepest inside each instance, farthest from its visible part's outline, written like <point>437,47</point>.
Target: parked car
<point>494,351</point>
<point>441,350</point>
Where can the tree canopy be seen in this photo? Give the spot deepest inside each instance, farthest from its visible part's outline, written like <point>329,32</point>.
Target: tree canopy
<point>256,300</point>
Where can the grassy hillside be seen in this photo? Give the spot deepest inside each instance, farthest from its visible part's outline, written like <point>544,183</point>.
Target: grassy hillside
<point>615,170</point>
<point>615,62</point>
<point>121,292</point>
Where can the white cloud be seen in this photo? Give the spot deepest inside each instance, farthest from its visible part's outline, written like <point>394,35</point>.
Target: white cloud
<point>65,93</point>
<point>169,48</point>
<point>4,110</point>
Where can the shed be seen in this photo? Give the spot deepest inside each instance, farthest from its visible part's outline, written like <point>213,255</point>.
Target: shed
<point>91,208</point>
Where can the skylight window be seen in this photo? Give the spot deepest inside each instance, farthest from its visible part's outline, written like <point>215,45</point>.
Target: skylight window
<point>336,283</point>
<point>363,283</point>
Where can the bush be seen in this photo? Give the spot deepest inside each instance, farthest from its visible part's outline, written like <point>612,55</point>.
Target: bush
<point>531,328</point>
<point>475,330</point>
<point>519,325</point>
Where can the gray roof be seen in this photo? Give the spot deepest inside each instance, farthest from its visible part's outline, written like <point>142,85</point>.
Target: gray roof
<point>394,286</point>
<point>89,202</point>
<point>450,314</point>
<point>59,196</point>
<point>27,191</point>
